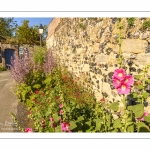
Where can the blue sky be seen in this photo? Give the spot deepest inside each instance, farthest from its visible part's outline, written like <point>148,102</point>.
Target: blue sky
<point>34,21</point>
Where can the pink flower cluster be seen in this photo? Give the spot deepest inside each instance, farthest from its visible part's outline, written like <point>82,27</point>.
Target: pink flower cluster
<point>27,130</point>
<point>121,81</point>
<point>65,126</point>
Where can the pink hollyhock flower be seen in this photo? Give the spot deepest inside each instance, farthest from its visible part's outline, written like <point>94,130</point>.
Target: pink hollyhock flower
<point>60,119</point>
<point>142,118</point>
<point>37,92</point>
<point>116,82</point>
<point>129,80</point>
<point>53,125</point>
<point>43,120</point>
<point>43,125</point>
<point>51,119</point>
<point>119,74</point>
<point>28,130</point>
<point>61,105</point>
<point>123,88</point>
<point>61,112</point>
<point>65,126</point>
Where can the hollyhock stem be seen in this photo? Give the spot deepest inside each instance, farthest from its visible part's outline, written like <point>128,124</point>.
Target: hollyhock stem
<point>125,113</point>
<point>119,42</point>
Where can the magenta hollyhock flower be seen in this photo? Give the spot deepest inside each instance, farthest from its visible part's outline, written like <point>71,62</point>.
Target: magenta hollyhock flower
<point>53,125</point>
<point>119,74</point>
<point>65,126</point>
<point>28,130</point>
<point>51,119</point>
<point>61,105</point>
<point>124,88</point>
<point>116,82</point>
<point>129,80</point>
<point>61,112</point>
<point>37,92</point>
<point>142,118</point>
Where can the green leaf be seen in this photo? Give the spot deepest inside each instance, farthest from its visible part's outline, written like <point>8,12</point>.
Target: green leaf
<point>145,94</point>
<point>88,123</point>
<point>56,117</point>
<point>147,118</point>
<point>108,124</point>
<point>130,107</point>
<point>130,128</point>
<point>48,112</point>
<point>138,76</point>
<point>148,80</point>
<point>117,123</point>
<point>67,109</point>
<point>134,95</point>
<point>108,117</point>
<point>114,106</point>
<point>130,116</point>
<point>80,118</point>
<point>58,128</point>
<point>138,110</point>
<point>36,86</point>
<point>142,127</point>
<point>114,130</point>
<point>98,124</point>
<point>72,125</point>
<point>98,110</point>
<point>140,87</point>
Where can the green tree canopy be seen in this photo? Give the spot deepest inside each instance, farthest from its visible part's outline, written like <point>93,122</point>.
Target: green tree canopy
<point>29,35</point>
<point>7,27</point>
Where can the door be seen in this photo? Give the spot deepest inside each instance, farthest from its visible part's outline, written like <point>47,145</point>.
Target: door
<point>9,54</point>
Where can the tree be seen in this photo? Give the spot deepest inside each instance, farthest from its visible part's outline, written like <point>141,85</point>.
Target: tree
<point>7,27</point>
<point>29,35</point>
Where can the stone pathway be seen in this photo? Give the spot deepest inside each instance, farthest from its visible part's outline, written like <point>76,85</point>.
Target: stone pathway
<point>9,103</point>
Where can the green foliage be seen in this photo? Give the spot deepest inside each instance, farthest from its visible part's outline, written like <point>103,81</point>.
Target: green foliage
<point>39,55</point>
<point>147,118</point>
<point>138,110</point>
<point>83,26</point>
<point>3,68</point>
<point>114,106</point>
<point>29,34</point>
<point>57,98</point>
<point>146,24</point>
<point>7,27</point>
<point>130,21</point>
<point>141,127</point>
<point>26,34</point>
<point>117,123</point>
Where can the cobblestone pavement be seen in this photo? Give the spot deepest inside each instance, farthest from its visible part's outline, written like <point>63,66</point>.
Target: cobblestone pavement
<point>9,103</point>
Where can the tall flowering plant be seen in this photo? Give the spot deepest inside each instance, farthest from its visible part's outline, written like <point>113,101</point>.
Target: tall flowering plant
<point>122,82</point>
<point>133,116</point>
<point>21,68</point>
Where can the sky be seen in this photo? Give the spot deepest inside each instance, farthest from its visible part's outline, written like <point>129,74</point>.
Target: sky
<point>34,21</point>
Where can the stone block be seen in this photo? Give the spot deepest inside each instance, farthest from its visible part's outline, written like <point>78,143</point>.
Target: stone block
<point>134,46</point>
<point>86,68</point>
<point>101,58</point>
<point>142,59</point>
<point>80,50</point>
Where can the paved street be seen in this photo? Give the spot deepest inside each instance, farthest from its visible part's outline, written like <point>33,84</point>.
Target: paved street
<point>9,103</point>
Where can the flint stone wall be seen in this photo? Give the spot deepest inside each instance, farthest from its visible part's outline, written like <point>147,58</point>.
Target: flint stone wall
<point>88,48</point>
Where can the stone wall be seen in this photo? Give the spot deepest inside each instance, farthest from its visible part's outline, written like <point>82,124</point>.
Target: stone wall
<point>89,49</point>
